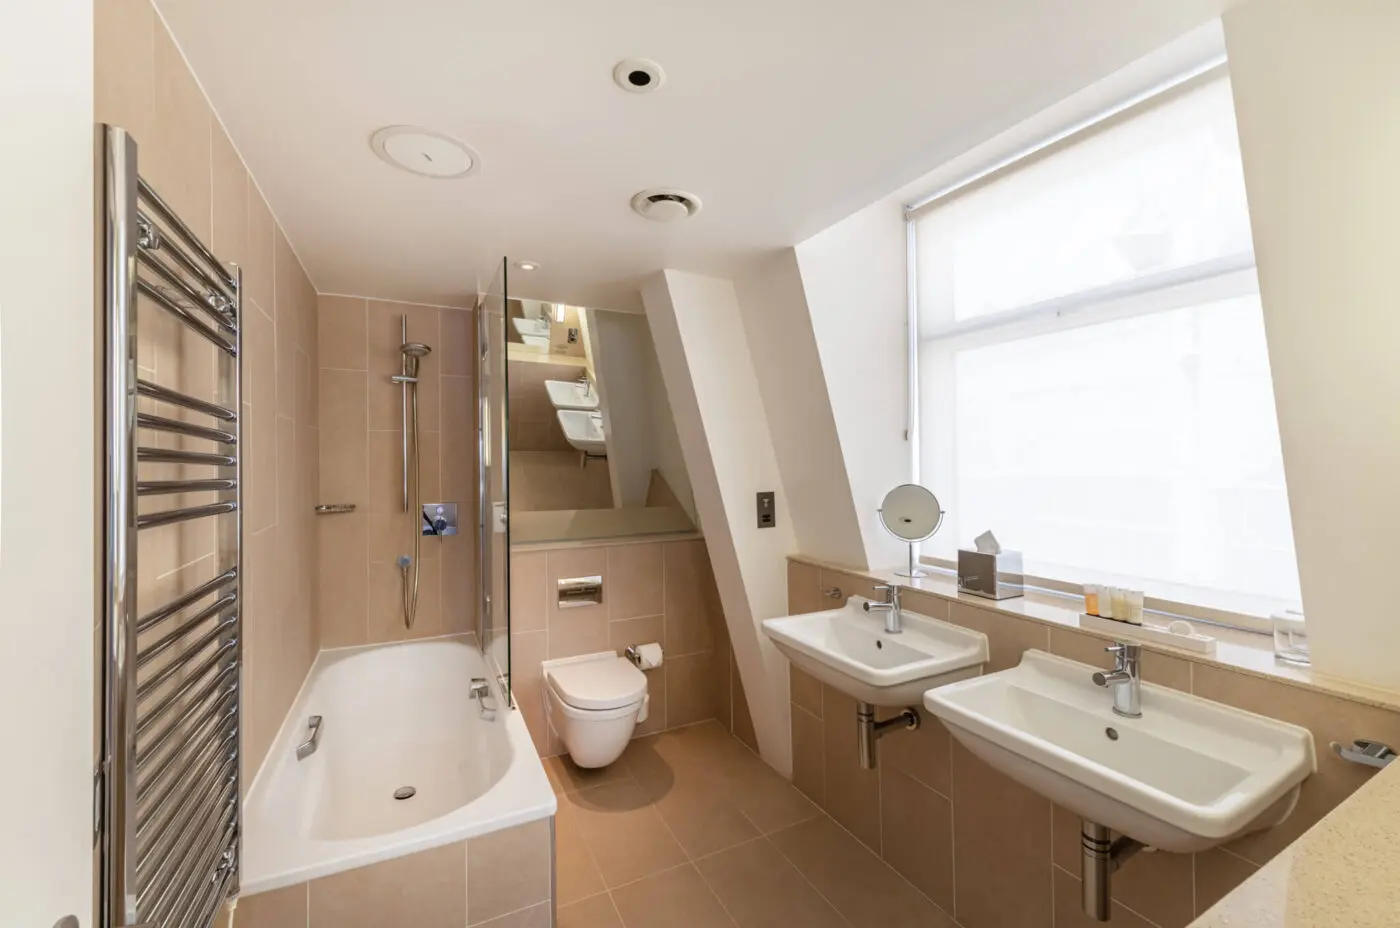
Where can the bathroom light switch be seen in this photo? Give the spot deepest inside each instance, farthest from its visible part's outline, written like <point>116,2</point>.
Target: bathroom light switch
<point>767,510</point>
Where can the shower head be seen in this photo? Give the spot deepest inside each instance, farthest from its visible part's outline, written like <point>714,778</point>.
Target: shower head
<point>415,349</point>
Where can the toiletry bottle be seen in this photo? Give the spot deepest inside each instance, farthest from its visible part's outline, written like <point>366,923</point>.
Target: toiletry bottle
<point>1106,602</point>
<point>1134,598</point>
<point>1091,598</point>
<point>1120,604</point>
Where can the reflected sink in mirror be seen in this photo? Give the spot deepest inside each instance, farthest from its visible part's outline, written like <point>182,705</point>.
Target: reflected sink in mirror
<point>849,649</point>
<point>1188,775</point>
<point>566,394</point>
<point>533,332</point>
<point>583,430</point>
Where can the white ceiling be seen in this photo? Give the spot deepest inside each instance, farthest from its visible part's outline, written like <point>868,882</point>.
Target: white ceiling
<point>782,115</point>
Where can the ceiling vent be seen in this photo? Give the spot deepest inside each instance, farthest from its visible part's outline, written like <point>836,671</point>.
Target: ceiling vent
<point>425,152</point>
<point>638,75</point>
<point>666,205</point>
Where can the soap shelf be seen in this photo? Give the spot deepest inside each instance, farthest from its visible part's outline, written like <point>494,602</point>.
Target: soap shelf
<point>1150,634</point>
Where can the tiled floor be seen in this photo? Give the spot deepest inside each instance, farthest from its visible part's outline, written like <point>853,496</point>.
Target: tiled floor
<point>690,829</point>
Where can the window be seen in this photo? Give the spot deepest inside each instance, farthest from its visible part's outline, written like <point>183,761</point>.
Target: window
<point>1094,380</point>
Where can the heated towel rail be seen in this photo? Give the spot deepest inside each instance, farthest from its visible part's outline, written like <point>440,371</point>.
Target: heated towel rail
<point>168,778</point>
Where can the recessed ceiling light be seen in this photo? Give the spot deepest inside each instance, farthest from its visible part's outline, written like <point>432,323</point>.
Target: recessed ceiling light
<point>425,152</point>
<point>638,75</point>
<point>528,265</point>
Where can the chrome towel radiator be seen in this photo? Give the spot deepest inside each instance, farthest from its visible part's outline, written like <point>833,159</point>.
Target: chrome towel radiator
<point>168,779</point>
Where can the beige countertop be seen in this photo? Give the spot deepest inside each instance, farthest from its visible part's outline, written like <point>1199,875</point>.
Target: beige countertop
<point>1344,872</point>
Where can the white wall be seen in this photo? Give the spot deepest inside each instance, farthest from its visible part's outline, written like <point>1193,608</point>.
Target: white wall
<point>619,345</point>
<point>1317,97</point>
<point>798,407</point>
<point>47,462</point>
<point>725,437</point>
<point>853,275</point>
<point>670,459</point>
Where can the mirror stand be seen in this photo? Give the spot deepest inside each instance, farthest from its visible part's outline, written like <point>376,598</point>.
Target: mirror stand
<point>914,571</point>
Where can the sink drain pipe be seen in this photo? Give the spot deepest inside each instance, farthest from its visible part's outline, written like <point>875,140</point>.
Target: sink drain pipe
<point>1102,856</point>
<point>870,731</point>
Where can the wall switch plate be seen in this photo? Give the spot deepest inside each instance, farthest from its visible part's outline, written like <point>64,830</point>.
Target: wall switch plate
<point>573,336</point>
<point>767,509</point>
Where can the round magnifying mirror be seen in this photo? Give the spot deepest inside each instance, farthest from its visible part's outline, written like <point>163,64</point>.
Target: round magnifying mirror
<point>911,513</point>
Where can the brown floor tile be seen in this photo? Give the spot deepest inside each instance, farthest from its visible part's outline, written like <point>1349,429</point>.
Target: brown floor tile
<point>861,887</point>
<point>536,916</point>
<point>676,898</point>
<point>703,820</point>
<point>761,889</point>
<point>626,834</point>
<point>594,912</point>
<point>576,874</point>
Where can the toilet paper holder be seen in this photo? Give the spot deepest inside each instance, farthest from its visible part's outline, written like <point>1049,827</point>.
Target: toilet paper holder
<point>633,652</point>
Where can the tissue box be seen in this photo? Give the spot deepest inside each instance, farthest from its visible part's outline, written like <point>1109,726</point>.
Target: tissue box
<point>992,576</point>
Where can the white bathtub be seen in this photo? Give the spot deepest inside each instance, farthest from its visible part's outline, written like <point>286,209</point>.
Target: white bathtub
<point>394,715</point>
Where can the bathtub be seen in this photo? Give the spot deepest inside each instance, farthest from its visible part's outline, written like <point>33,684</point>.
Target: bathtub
<point>393,716</point>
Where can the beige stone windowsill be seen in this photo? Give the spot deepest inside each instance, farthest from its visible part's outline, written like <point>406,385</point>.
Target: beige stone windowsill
<point>1242,651</point>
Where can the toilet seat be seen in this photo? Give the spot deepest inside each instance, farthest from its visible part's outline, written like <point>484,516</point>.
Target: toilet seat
<point>597,685</point>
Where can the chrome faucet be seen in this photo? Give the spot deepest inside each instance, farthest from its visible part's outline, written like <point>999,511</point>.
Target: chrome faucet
<point>1125,680</point>
<point>584,382</point>
<point>894,622</point>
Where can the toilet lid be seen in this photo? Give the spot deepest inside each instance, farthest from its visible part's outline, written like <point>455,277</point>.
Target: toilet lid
<point>610,683</point>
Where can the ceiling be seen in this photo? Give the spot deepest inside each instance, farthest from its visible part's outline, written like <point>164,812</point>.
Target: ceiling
<point>783,116</point>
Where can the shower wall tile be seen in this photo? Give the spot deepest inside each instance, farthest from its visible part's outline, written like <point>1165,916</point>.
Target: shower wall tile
<point>361,462</point>
<point>143,84</point>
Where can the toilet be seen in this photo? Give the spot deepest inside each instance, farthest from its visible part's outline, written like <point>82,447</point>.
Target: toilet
<point>594,702</point>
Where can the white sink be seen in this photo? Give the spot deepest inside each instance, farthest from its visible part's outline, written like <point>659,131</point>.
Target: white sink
<point>849,649</point>
<point>1188,775</point>
<point>566,394</point>
<point>533,332</point>
<point>583,430</point>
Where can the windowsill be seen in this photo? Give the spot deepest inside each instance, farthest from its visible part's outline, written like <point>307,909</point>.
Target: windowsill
<point>1243,651</point>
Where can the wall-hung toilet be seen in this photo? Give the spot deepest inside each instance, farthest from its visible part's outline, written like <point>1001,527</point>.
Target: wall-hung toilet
<point>594,702</point>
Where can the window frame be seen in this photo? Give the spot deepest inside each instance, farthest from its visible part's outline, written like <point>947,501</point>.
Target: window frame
<point>1225,277</point>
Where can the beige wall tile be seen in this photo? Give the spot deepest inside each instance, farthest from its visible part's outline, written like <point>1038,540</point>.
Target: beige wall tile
<point>808,754</point>
<point>386,622</point>
<point>1008,637</point>
<point>917,834</point>
<point>1217,873</point>
<point>691,597</point>
<point>758,887</point>
<point>342,401</point>
<point>262,236</point>
<point>627,836</point>
<point>175,157</point>
<point>459,603</point>
<point>723,674</point>
<point>459,449</point>
<point>924,754</point>
<point>1069,908</point>
<point>635,572</point>
<point>386,471</point>
<point>341,338</point>
<point>457,329</point>
<point>124,35</point>
<point>624,632</point>
<point>384,338</point>
<point>805,589</point>
<point>742,718</point>
<point>229,236</point>
<point>344,463</point>
<point>528,651</point>
<point>1161,669</point>
<point>280,908</point>
<point>935,607</point>
<point>853,879</point>
<point>852,793</point>
<point>343,580</point>
<point>805,689</point>
<point>1001,848</point>
<point>596,912</point>
<point>689,697</point>
<point>427,888</point>
<point>284,319</point>
<point>529,586</point>
<point>1328,718</point>
<point>508,870</point>
<point>676,897</point>
<point>849,585</point>
<point>1156,885</point>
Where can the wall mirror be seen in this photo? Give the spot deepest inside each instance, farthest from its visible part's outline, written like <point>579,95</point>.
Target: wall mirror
<point>593,450</point>
<point>912,514</point>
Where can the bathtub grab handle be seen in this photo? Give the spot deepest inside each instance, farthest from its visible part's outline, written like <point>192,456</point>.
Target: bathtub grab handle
<point>313,738</point>
<point>481,692</point>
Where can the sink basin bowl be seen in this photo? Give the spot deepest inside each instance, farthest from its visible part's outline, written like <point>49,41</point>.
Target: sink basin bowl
<point>565,394</point>
<point>1188,775</point>
<point>533,332</point>
<point>849,649</point>
<point>583,430</point>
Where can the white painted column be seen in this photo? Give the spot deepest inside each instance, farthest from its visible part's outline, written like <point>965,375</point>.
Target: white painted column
<point>1317,98</point>
<point>48,463</point>
<point>724,434</point>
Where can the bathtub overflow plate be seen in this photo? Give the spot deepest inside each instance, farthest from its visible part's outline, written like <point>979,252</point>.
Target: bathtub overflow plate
<point>405,792</point>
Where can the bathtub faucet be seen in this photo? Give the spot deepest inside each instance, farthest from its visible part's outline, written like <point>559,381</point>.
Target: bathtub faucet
<point>481,692</point>
<point>313,738</point>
